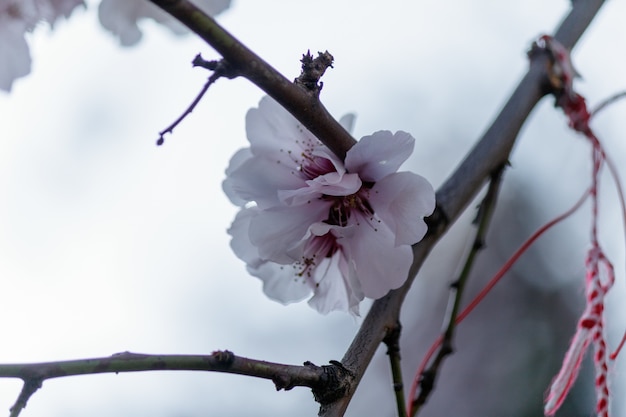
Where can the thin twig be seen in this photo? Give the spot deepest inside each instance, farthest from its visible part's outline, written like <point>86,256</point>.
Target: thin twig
<point>221,69</point>
<point>503,270</point>
<point>392,340</point>
<point>483,218</point>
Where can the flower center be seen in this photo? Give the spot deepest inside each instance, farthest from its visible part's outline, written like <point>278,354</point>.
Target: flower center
<point>344,206</point>
<point>313,166</point>
<point>317,248</point>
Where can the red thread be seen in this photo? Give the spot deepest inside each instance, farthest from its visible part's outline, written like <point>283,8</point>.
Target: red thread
<point>590,329</point>
<point>483,293</point>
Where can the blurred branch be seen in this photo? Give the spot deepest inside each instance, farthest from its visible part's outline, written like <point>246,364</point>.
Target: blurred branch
<point>428,376</point>
<point>491,151</point>
<point>319,378</point>
<point>606,103</point>
<point>392,340</point>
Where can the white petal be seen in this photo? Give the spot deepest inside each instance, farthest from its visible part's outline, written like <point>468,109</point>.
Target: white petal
<point>259,179</point>
<point>275,231</point>
<point>335,289</point>
<point>330,184</point>
<point>299,196</point>
<point>281,283</point>
<point>240,242</point>
<point>380,154</point>
<point>273,130</point>
<point>378,263</point>
<point>402,200</point>
<point>236,161</point>
<point>336,184</point>
<point>120,18</point>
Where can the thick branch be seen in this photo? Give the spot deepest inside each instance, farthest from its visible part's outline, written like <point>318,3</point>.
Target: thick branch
<point>283,376</point>
<point>488,154</point>
<point>303,104</point>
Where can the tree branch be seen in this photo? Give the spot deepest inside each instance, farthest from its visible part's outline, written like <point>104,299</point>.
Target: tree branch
<point>320,379</point>
<point>303,104</point>
<point>488,154</point>
<point>428,375</point>
<point>392,340</point>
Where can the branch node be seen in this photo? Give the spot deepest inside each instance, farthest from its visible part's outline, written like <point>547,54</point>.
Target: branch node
<point>334,383</point>
<point>220,68</point>
<point>427,383</point>
<point>223,358</point>
<point>282,382</point>
<point>312,71</point>
<point>392,339</point>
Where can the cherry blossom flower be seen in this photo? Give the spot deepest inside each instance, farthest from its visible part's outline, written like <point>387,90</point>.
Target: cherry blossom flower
<point>121,17</point>
<point>16,18</point>
<point>310,223</point>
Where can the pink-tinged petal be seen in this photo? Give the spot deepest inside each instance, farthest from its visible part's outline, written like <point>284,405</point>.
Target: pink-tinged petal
<point>332,184</point>
<point>236,161</point>
<point>281,282</point>
<point>401,201</point>
<point>380,154</point>
<point>259,179</point>
<point>379,265</point>
<point>336,184</point>
<point>240,242</point>
<point>326,154</point>
<point>275,231</point>
<point>272,130</point>
<point>304,195</point>
<point>335,289</point>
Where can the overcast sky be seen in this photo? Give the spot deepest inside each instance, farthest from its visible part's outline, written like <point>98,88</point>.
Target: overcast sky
<point>109,243</point>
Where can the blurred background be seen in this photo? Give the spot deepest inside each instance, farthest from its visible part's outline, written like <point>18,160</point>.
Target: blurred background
<point>109,243</point>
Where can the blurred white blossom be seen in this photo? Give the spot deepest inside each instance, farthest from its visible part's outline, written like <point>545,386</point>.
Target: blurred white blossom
<point>16,18</point>
<point>311,223</point>
<point>121,17</point>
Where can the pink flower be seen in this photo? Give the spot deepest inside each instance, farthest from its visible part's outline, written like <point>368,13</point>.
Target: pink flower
<point>16,18</point>
<point>121,17</point>
<point>312,224</point>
